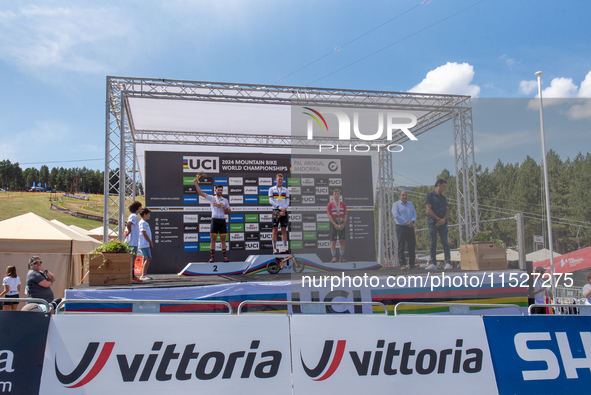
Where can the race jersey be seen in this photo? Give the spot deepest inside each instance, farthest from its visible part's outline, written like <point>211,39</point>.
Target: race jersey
<point>279,197</point>
<point>216,206</point>
<point>336,211</point>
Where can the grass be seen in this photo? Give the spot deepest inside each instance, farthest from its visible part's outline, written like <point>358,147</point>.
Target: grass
<point>13,204</point>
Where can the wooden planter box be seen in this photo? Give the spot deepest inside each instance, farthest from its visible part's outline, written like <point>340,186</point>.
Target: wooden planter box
<point>115,271</point>
<point>483,255</point>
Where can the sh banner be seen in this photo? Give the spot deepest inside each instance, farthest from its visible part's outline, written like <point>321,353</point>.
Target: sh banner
<point>181,219</point>
<point>22,345</point>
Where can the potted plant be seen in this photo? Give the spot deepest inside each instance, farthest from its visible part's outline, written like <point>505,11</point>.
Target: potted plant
<point>486,251</point>
<point>109,264</point>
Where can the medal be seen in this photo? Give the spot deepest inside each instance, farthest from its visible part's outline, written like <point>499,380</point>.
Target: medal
<point>280,198</point>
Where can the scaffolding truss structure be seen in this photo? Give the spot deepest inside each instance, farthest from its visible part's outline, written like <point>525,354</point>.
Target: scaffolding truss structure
<point>431,110</point>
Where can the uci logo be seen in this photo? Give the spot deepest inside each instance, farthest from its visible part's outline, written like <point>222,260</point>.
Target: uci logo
<point>192,164</point>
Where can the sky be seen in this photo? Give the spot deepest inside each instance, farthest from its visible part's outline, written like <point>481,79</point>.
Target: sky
<point>55,56</point>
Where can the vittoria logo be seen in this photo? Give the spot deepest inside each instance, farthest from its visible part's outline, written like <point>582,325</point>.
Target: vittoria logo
<point>210,365</point>
<point>388,359</point>
<point>76,374</point>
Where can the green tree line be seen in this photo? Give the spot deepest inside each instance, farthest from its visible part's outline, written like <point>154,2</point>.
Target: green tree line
<point>57,179</point>
<point>510,188</point>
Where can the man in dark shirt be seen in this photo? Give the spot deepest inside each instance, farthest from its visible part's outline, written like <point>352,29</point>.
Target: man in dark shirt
<point>437,214</point>
<point>39,280</point>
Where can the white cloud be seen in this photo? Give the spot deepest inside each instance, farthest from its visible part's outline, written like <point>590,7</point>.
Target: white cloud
<point>527,87</point>
<point>41,38</point>
<point>451,78</point>
<point>560,88</point>
<point>585,89</point>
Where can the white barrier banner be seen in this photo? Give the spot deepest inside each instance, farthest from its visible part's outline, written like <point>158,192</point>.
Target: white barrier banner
<point>383,355</point>
<point>148,354</point>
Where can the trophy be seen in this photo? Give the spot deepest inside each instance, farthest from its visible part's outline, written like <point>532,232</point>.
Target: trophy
<point>200,176</point>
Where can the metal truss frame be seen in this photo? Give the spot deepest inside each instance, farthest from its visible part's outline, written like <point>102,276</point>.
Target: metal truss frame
<point>433,110</point>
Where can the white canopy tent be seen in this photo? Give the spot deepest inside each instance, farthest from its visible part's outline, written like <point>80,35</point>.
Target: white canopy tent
<point>540,255</point>
<point>61,249</point>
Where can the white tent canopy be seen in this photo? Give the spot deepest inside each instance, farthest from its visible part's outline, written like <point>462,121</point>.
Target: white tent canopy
<point>540,255</point>
<point>60,248</point>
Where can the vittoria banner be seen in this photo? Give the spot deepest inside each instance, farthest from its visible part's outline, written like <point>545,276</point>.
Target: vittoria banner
<point>173,354</point>
<point>414,355</point>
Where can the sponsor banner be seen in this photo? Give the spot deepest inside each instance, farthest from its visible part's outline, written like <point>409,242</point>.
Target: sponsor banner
<point>323,226</point>
<point>187,199</point>
<point>191,237</point>
<point>190,218</point>
<point>323,243</point>
<point>264,191</point>
<point>207,164</point>
<point>321,190</point>
<point>221,181</point>
<point>84,355</point>
<point>205,218</point>
<point>295,235</point>
<point>573,261</point>
<point>208,190</point>
<point>323,235</point>
<point>191,228</point>
<point>309,190</point>
<point>251,191</point>
<point>251,199</point>
<point>322,217</point>
<point>251,181</point>
<point>330,356</point>
<point>236,236</point>
<point>295,217</point>
<point>235,181</point>
<point>266,217</point>
<point>235,190</point>
<point>307,182</point>
<point>263,199</point>
<point>309,226</point>
<point>236,218</point>
<point>22,345</point>
<point>335,182</point>
<point>204,227</point>
<point>296,227</point>
<point>251,227</point>
<point>251,236</point>
<point>540,354</point>
<point>295,190</point>
<point>308,199</point>
<point>293,182</point>
<point>266,245</point>
<point>309,244</point>
<point>204,246</point>
<point>265,235</point>
<point>316,166</point>
<point>204,236</point>
<point>266,181</point>
<point>322,182</point>
<point>251,218</point>
<point>252,245</point>
<point>236,245</point>
<point>236,227</point>
<point>266,226</point>
<point>296,245</point>
<point>309,235</point>
<point>322,199</point>
<point>191,247</point>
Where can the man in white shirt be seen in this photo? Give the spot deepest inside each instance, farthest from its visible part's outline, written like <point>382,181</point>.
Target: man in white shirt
<point>405,217</point>
<point>279,199</point>
<point>219,208</point>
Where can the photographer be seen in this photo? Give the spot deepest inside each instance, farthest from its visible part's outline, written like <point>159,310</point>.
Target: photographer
<point>39,280</point>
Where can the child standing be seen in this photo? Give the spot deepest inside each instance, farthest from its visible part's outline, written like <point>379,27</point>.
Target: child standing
<point>12,288</point>
<point>145,242</point>
<point>132,232</point>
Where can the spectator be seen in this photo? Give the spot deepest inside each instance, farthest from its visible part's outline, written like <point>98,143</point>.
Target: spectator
<point>145,243</point>
<point>587,289</point>
<point>39,281</point>
<point>12,288</point>
<point>540,291</point>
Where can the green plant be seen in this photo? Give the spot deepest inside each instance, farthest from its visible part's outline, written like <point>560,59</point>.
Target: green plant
<point>488,236</point>
<point>111,246</point>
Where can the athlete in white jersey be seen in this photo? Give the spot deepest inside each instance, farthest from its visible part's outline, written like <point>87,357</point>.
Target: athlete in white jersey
<point>219,208</point>
<point>279,199</point>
